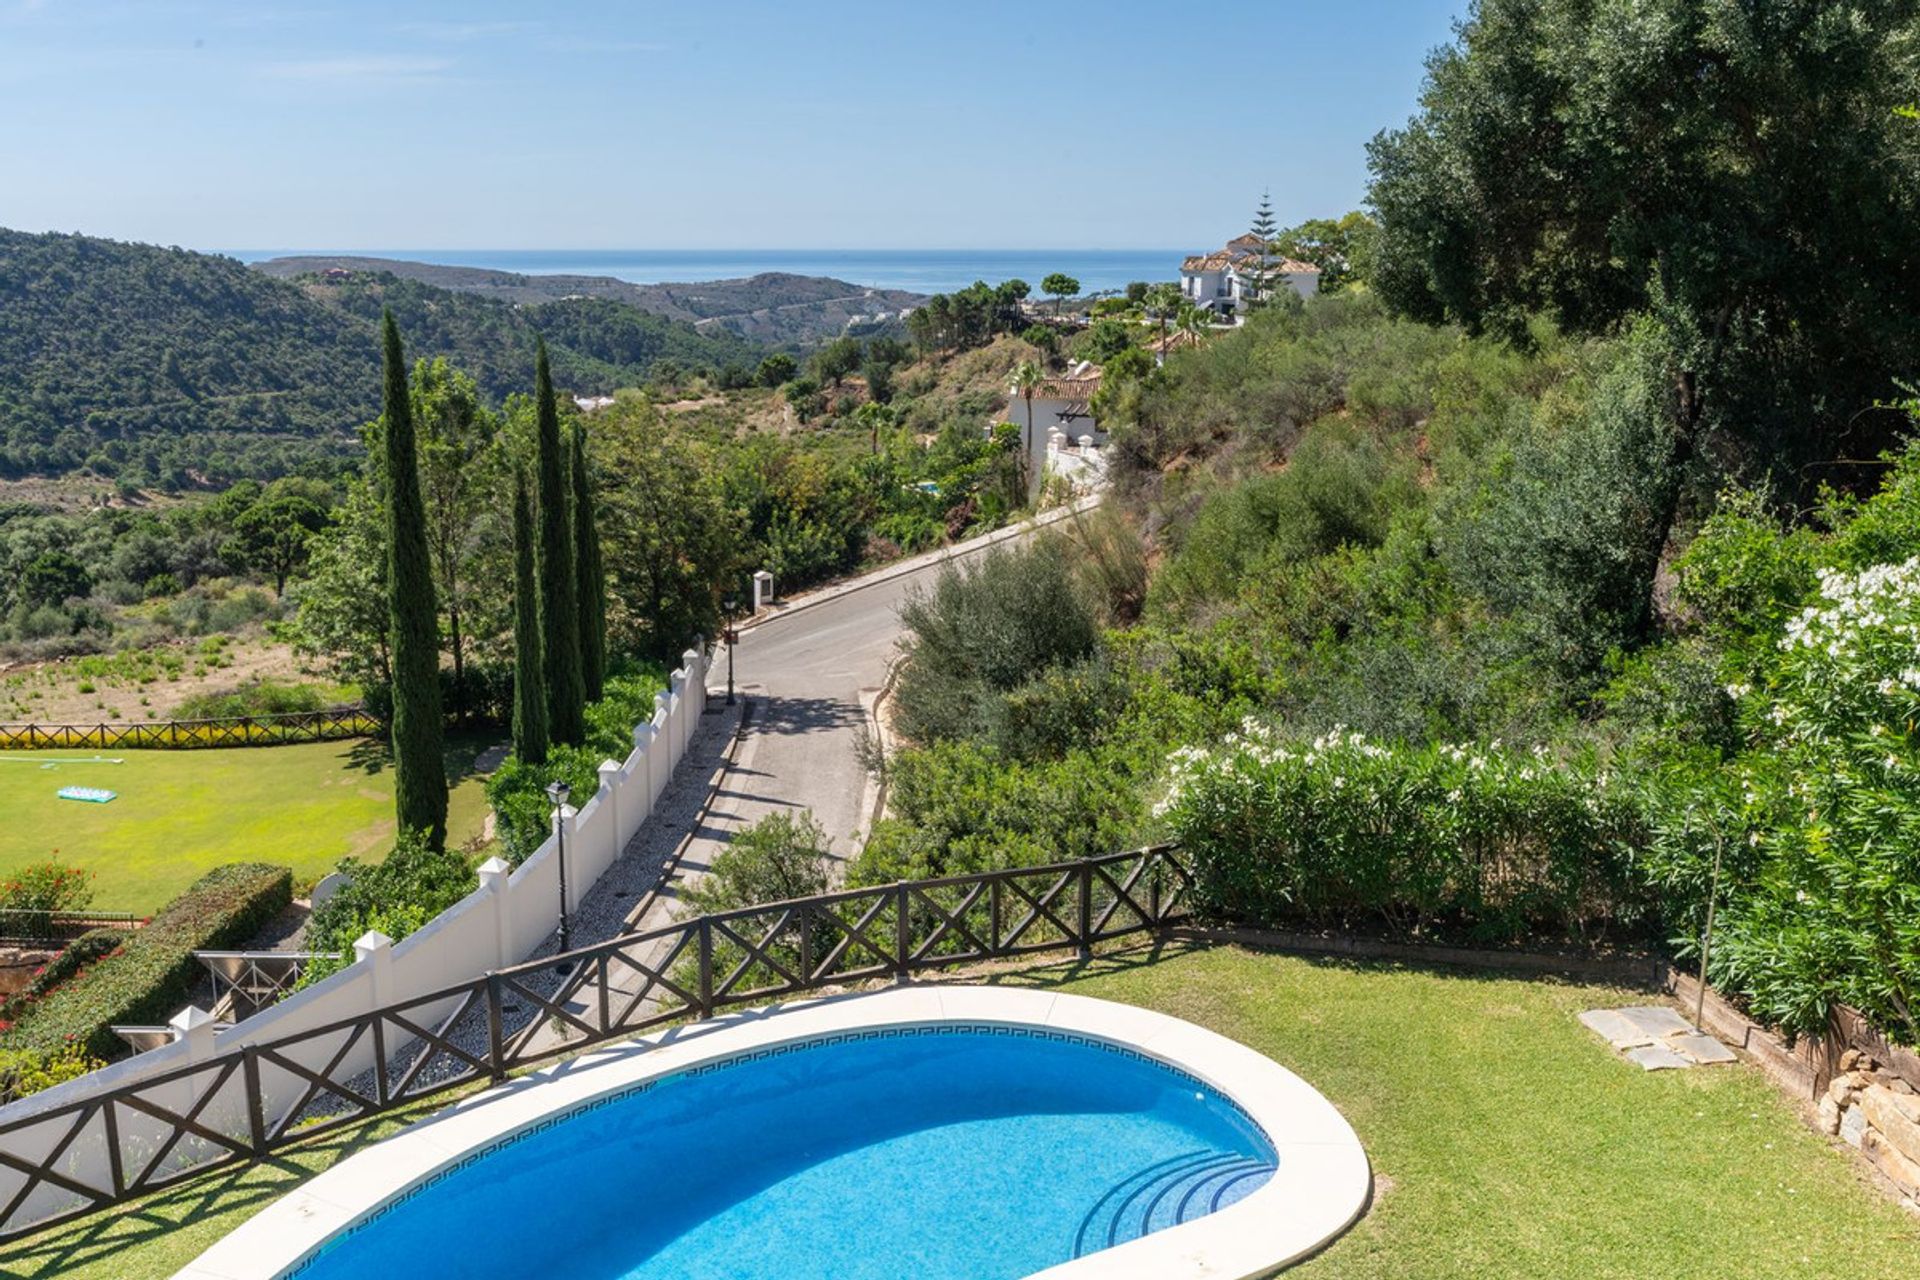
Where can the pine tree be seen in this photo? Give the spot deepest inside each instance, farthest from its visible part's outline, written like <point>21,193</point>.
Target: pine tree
<point>589,574</point>
<point>529,678</point>
<point>559,608</point>
<point>419,771</point>
<point>1260,274</point>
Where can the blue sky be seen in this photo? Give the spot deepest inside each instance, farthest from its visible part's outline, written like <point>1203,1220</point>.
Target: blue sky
<point>713,123</point>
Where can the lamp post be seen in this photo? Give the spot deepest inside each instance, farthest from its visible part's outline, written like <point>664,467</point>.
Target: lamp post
<point>733,638</point>
<point>558,791</point>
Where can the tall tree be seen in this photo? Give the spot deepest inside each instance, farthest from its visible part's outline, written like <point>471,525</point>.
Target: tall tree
<point>1341,247</point>
<point>419,769</point>
<point>1061,286</point>
<point>1260,275</point>
<point>1737,170</point>
<point>589,573</point>
<point>529,674</point>
<point>459,477</point>
<point>1026,380</point>
<point>559,599</point>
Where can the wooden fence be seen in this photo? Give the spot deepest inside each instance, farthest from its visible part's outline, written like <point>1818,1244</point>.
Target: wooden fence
<point>244,1104</point>
<point>234,731</point>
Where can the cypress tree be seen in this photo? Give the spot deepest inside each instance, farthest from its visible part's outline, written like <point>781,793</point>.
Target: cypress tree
<point>529,679</point>
<point>559,608</point>
<point>419,771</point>
<point>590,575</point>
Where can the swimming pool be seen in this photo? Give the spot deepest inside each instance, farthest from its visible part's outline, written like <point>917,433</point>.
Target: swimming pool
<point>858,1139</point>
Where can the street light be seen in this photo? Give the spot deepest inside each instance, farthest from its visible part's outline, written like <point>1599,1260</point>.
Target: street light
<point>733,638</point>
<point>558,791</point>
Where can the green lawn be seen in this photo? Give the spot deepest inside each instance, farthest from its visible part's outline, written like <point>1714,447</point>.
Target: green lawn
<point>180,812</point>
<point>1507,1140</point>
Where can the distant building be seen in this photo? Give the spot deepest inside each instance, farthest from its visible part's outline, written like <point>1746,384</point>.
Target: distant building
<point>1065,402</point>
<point>1226,279</point>
<point>588,404</point>
<point>335,273</point>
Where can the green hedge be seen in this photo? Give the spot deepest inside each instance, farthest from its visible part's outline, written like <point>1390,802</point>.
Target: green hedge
<point>147,980</point>
<point>1477,842</point>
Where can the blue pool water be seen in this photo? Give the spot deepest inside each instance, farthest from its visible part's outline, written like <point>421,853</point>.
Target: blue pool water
<point>940,1154</point>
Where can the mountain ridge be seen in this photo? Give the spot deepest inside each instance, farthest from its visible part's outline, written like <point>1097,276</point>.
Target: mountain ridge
<point>774,307</point>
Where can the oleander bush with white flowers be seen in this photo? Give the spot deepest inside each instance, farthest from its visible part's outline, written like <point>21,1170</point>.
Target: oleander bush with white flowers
<point>1831,911</point>
<point>1483,842</point>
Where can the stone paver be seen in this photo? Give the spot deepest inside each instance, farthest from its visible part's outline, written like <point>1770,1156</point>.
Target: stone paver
<point>1703,1049</point>
<point>1655,1038</point>
<point>1656,1020</point>
<point>1656,1057</point>
<point>1615,1028</point>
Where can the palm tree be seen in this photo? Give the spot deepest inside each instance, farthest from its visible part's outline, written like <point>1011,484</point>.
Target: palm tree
<point>1163,300</point>
<point>1026,380</point>
<point>1196,322</point>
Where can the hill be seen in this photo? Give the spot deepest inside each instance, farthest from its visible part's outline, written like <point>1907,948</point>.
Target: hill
<point>773,307</point>
<point>149,363</point>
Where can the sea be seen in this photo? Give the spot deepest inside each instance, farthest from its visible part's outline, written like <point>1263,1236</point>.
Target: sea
<point>918,270</point>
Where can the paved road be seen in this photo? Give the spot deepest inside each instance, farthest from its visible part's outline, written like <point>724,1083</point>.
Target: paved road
<point>812,667</point>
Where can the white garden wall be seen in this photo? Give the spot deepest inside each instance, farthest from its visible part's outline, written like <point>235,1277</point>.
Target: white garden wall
<point>501,922</point>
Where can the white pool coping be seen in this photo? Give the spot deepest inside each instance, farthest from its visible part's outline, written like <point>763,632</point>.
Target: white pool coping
<point>1322,1185</point>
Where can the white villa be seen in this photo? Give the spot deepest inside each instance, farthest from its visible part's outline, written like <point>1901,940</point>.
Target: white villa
<point>1223,280</point>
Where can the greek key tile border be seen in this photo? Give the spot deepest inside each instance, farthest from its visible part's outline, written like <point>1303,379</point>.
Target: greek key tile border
<point>784,1049</point>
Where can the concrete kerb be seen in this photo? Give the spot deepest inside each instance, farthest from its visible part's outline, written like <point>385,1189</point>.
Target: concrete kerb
<point>901,569</point>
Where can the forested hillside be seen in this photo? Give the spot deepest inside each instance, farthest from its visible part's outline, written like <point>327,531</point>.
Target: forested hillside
<point>154,365</point>
<point>773,307</point>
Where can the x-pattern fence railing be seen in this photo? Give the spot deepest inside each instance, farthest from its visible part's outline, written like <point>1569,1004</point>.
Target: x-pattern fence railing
<point>244,1104</point>
<point>231,731</point>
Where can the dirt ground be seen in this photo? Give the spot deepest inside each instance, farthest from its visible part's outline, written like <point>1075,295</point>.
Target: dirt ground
<point>125,690</point>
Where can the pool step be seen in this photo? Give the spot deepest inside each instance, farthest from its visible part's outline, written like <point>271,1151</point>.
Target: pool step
<point>1178,1189</point>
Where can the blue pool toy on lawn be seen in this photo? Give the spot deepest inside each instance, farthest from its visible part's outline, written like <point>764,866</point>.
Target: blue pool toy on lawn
<point>90,795</point>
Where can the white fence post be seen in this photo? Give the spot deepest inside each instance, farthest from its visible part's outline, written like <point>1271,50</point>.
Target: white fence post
<point>762,590</point>
<point>610,804</point>
<point>493,878</point>
<point>194,1025</point>
<point>375,950</point>
<point>660,755</point>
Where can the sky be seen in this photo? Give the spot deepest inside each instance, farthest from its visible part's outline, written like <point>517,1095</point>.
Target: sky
<point>695,124</point>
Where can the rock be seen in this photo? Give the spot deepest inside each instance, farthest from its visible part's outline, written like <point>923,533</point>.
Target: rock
<point>1904,1171</point>
<point>1850,1060</point>
<point>1841,1091</point>
<point>1829,1116</point>
<point>1896,1117</point>
<point>1902,1087</point>
<point>1853,1126</point>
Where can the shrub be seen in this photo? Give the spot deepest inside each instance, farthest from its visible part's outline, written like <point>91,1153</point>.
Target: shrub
<point>517,791</point>
<point>25,1071</point>
<point>46,887</point>
<point>395,896</point>
<point>253,698</point>
<point>73,960</point>
<point>1831,912</point>
<point>151,976</point>
<point>1488,843</point>
<point>986,629</point>
<point>961,808</point>
<point>781,856</point>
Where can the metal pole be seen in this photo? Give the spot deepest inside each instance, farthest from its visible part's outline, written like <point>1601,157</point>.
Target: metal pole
<point>733,638</point>
<point>1706,935</point>
<point>560,834</point>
